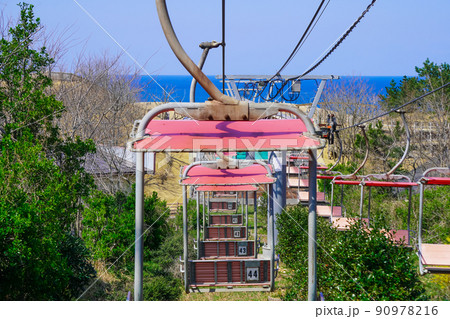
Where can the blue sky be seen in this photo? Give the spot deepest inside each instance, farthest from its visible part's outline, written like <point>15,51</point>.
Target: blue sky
<point>395,35</point>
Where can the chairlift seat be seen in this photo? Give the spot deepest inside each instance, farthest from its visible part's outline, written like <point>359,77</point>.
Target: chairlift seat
<point>303,196</point>
<point>255,174</point>
<point>226,232</point>
<point>230,272</point>
<point>435,256</point>
<point>344,223</point>
<point>225,220</point>
<point>399,236</point>
<point>226,249</point>
<point>325,211</point>
<point>295,182</point>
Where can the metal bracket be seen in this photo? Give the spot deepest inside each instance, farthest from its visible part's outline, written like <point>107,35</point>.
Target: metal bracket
<point>133,133</point>
<point>181,266</point>
<point>195,242</point>
<point>217,111</point>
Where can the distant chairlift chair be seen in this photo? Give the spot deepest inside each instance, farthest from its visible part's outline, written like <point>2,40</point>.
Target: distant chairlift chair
<point>343,223</point>
<point>226,258</point>
<point>390,180</point>
<point>433,258</point>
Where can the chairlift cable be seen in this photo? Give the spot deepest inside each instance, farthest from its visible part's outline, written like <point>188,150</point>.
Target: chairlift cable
<point>330,51</point>
<point>397,108</point>
<point>300,43</point>
<point>303,37</point>
<point>341,39</point>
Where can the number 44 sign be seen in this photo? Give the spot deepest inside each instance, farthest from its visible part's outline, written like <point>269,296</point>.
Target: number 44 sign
<point>253,274</point>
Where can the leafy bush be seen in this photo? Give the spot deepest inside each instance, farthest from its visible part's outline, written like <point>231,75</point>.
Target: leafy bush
<point>78,261</point>
<point>169,251</point>
<point>351,265</point>
<point>191,216</point>
<point>42,177</point>
<point>162,288</point>
<point>37,204</point>
<point>109,225</point>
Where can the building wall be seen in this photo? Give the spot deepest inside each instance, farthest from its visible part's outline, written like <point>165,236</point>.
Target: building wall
<point>166,180</point>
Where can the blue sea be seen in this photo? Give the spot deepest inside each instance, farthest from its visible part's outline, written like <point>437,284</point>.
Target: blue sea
<point>175,88</point>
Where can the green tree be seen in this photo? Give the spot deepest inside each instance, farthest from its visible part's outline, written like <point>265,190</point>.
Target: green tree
<point>431,130</point>
<point>108,225</point>
<point>351,265</point>
<point>42,179</point>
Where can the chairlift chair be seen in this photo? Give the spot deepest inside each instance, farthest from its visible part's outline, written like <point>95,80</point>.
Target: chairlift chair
<point>389,179</point>
<point>223,124</point>
<point>343,223</point>
<point>433,258</point>
<point>228,260</point>
<point>328,174</point>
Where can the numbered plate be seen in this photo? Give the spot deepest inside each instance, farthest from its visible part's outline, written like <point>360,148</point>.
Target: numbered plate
<point>237,234</point>
<point>252,274</point>
<point>242,251</point>
<point>234,220</point>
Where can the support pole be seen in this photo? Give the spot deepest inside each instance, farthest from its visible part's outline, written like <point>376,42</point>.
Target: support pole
<point>194,80</point>
<point>246,215</point>
<point>312,227</point>
<point>368,206</point>
<point>139,240</point>
<point>185,241</point>
<point>223,46</point>
<point>242,205</point>
<point>207,207</point>
<point>361,203</point>
<point>316,98</point>
<point>255,221</point>
<point>278,160</point>
<point>332,202</point>
<point>204,223</point>
<point>419,233</point>
<point>409,215</point>
<point>185,60</point>
<point>271,235</point>
<point>198,224</point>
<point>206,46</point>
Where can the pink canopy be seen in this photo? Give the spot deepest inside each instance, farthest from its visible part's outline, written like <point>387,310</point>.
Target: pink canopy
<point>227,188</point>
<point>214,136</point>
<point>254,175</point>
